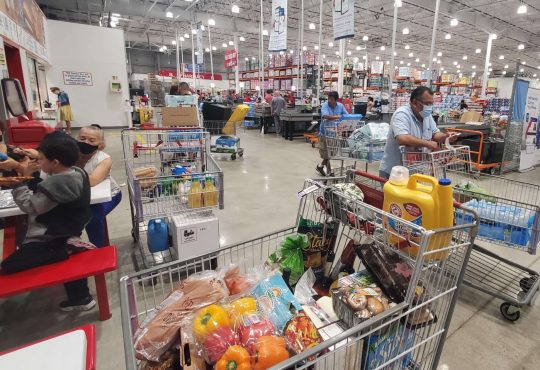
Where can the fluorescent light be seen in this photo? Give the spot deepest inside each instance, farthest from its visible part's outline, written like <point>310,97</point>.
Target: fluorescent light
<point>214,48</point>
<point>400,62</point>
<point>365,38</point>
<point>231,43</point>
<point>242,38</point>
<point>387,62</point>
<point>417,60</point>
<point>524,62</point>
<point>493,36</point>
<point>489,64</point>
<point>395,53</point>
<point>114,19</point>
<point>202,27</point>
<point>454,63</point>
<point>478,51</point>
<point>534,74</point>
<point>439,61</point>
<point>331,44</point>
<point>207,50</point>
<point>398,3</point>
<point>235,9</point>
<point>411,55</point>
<point>383,48</point>
<point>464,57</point>
<point>503,72</point>
<point>458,71</point>
<point>407,47</point>
<point>408,64</point>
<point>323,56</point>
<point>423,66</point>
<point>505,66</point>
<point>304,48</point>
<point>434,59</point>
<point>169,14</point>
<point>522,9</point>
<point>182,39</point>
<point>246,59</point>
<point>224,45</point>
<point>358,47</point>
<point>337,52</point>
<point>211,22</point>
<point>447,36</point>
<point>405,31</point>
<point>521,47</point>
<point>473,66</point>
<point>186,35</point>
<point>173,42</point>
<point>281,53</point>
<point>316,47</point>
<point>113,24</point>
<point>364,57</point>
<point>454,22</point>
<point>377,57</point>
<point>521,70</point>
<point>193,32</point>
<point>439,54</point>
<point>312,26</point>
<point>252,58</point>
<point>458,66</point>
<point>265,32</point>
<point>291,51</point>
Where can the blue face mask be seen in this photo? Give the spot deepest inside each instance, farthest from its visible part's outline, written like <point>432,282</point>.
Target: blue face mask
<point>426,111</point>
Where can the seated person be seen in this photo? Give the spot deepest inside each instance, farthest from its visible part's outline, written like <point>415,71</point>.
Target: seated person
<point>58,208</point>
<point>97,164</point>
<point>463,106</point>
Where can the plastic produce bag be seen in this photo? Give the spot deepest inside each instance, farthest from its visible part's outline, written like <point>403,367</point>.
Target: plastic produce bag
<point>290,255</point>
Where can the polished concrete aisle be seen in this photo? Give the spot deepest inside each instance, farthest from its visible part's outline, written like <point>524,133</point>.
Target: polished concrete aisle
<point>260,197</point>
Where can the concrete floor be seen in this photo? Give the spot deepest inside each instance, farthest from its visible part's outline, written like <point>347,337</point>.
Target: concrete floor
<point>260,197</point>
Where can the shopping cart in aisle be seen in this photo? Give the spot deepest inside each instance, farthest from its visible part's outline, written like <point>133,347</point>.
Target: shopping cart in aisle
<point>390,339</point>
<point>509,212</point>
<point>162,166</point>
<point>344,142</point>
<point>223,139</point>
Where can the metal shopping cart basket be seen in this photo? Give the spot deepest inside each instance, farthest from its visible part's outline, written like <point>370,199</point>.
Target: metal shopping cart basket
<point>161,165</point>
<point>223,139</point>
<point>387,340</point>
<point>342,146</point>
<point>509,215</point>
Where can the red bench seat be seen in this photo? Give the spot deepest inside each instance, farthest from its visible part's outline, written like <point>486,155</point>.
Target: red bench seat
<point>94,263</point>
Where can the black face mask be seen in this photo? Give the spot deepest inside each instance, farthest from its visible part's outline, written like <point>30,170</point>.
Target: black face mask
<point>86,148</point>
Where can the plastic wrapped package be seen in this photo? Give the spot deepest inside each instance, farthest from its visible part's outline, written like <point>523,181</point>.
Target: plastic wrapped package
<point>253,326</point>
<point>269,351</point>
<point>161,328</point>
<point>236,281</point>
<point>301,333</point>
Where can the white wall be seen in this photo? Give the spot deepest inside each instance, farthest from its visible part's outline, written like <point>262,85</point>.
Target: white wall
<point>100,51</point>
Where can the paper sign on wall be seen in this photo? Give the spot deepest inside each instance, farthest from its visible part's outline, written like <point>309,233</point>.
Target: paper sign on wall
<point>77,78</point>
<point>343,18</point>
<point>231,58</point>
<point>278,33</point>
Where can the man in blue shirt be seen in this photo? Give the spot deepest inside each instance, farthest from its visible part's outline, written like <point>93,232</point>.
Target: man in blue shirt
<point>332,110</point>
<point>411,126</point>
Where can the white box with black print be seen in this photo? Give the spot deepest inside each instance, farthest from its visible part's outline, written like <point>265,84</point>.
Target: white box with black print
<point>194,235</point>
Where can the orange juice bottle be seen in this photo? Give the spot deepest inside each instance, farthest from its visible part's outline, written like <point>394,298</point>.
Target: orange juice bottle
<point>210,192</point>
<point>195,198</point>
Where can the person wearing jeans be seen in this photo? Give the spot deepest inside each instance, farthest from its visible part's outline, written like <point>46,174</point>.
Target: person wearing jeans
<point>277,105</point>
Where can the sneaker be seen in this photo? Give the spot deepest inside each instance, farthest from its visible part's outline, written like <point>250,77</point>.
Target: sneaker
<point>320,169</point>
<point>331,174</point>
<point>83,305</point>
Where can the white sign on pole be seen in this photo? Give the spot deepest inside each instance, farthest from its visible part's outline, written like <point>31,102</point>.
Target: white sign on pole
<point>77,78</point>
<point>200,49</point>
<point>530,153</point>
<point>343,17</point>
<point>377,66</point>
<point>278,34</point>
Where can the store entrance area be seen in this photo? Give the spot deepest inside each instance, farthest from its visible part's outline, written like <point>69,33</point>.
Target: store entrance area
<point>261,198</point>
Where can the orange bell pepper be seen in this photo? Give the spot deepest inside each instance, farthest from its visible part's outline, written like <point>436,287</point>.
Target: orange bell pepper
<point>269,351</point>
<point>208,319</point>
<point>235,358</point>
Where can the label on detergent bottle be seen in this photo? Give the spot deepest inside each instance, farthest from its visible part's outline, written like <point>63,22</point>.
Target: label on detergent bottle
<point>414,215</point>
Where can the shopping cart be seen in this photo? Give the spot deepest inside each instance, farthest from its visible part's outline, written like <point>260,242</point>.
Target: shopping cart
<point>387,340</point>
<point>341,147</point>
<point>161,166</point>
<point>509,215</point>
<point>223,139</point>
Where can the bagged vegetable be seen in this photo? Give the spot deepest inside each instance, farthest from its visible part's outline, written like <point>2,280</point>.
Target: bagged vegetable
<point>252,327</point>
<point>290,255</point>
<point>235,358</point>
<point>301,333</point>
<point>269,351</point>
<point>236,281</point>
<point>161,328</point>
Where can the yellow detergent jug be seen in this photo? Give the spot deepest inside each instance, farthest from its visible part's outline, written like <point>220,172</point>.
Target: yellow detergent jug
<point>422,200</point>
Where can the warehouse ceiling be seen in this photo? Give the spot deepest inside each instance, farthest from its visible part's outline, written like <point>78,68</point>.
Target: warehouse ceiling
<point>463,46</point>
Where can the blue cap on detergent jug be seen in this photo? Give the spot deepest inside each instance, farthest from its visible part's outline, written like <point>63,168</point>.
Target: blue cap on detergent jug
<point>445,182</point>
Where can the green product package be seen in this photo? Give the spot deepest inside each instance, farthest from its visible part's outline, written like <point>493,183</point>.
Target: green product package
<point>289,255</point>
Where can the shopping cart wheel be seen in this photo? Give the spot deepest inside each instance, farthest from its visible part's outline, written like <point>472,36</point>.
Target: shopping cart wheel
<point>526,283</point>
<point>233,156</point>
<point>510,312</point>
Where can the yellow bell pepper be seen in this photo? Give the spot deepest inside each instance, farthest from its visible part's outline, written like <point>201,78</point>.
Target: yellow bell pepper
<point>242,306</point>
<point>235,358</point>
<point>208,319</point>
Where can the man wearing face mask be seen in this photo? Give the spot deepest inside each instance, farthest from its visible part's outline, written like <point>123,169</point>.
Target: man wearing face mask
<point>97,164</point>
<point>411,126</point>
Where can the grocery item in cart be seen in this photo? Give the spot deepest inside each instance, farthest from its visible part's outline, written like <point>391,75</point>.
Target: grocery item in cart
<point>210,195</point>
<point>422,200</point>
<point>158,235</point>
<point>381,346</point>
<point>147,176</point>
<point>290,255</point>
<point>251,327</point>
<point>301,333</point>
<point>159,330</point>
<point>269,351</point>
<point>195,196</point>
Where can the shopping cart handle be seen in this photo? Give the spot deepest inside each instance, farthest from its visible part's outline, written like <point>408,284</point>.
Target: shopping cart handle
<point>351,173</point>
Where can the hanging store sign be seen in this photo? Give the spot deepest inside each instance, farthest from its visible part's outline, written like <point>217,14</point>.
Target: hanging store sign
<point>343,17</point>
<point>200,47</point>
<point>377,66</point>
<point>231,58</point>
<point>278,34</point>
<point>188,75</point>
<point>530,153</point>
<point>77,78</point>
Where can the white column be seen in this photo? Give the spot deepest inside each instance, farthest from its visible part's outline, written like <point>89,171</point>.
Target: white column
<point>193,65</point>
<point>182,54</point>
<point>392,57</point>
<point>211,59</point>
<point>177,53</point>
<point>486,65</point>
<point>433,38</point>
<point>261,51</point>
<point>319,74</point>
<point>301,59</point>
<point>237,68</point>
<point>340,67</point>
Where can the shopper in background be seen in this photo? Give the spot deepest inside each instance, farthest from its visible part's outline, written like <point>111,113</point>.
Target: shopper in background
<point>463,105</point>
<point>98,164</point>
<point>66,115</point>
<point>370,104</point>
<point>268,97</point>
<point>411,126</point>
<point>183,89</point>
<point>332,110</point>
<point>57,209</point>
<point>276,106</point>
<point>173,90</point>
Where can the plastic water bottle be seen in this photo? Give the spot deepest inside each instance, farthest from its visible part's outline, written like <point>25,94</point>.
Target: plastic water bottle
<point>158,235</point>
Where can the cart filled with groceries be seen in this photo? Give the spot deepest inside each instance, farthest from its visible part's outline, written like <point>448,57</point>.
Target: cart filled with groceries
<point>338,290</point>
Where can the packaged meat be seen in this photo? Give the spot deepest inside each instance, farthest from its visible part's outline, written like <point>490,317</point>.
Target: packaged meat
<point>161,327</point>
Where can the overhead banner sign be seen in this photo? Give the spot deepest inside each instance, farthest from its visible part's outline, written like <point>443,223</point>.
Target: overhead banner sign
<point>231,58</point>
<point>530,148</point>
<point>187,75</point>
<point>200,47</point>
<point>343,17</point>
<point>278,34</point>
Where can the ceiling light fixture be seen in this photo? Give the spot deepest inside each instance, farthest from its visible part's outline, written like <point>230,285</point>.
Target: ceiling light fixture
<point>398,3</point>
<point>454,63</point>
<point>524,62</point>
<point>182,39</point>
<point>522,9</point>
<point>207,50</point>
<point>473,66</point>
<point>304,48</point>
<point>169,14</point>
<point>349,52</point>
<point>235,9</point>
<point>521,47</point>
<point>331,44</point>
<point>395,53</point>
<point>417,60</point>
<point>407,47</point>
<point>505,66</point>
<point>521,70</point>
<point>501,57</point>
<point>478,51</point>
<point>411,55</point>
<point>224,45</point>
<point>365,38</point>
<point>211,22</point>
<point>503,72</point>
<point>464,57</point>
<point>406,31</point>
<point>316,47</point>
<point>454,22</point>
<point>439,54</point>
<point>408,64</point>
<point>383,48</point>
<point>231,43</point>
<point>358,47</point>
<point>113,24</point>
<point>493,36</point>
<point>214,48</point>
<point>173,42</point>
<point>439,61</point>
<point>400,62</point>
<point>377,57</point>
<point>434,59</point>
<point>291,51</point>
<point>423,66</point>
<point>186,35</point>
<point>312,26</point>
<point>447,36</point>
<point>193,32</point>
<point>242,38</point>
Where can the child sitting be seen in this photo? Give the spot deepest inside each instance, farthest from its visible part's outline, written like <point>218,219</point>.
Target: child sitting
<point>97,164</point>
<point>58,209</point>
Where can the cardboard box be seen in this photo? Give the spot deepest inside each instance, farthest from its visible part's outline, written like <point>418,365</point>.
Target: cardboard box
<point>194,235</point>
<point>471,116</point>
<point>180,116</point>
